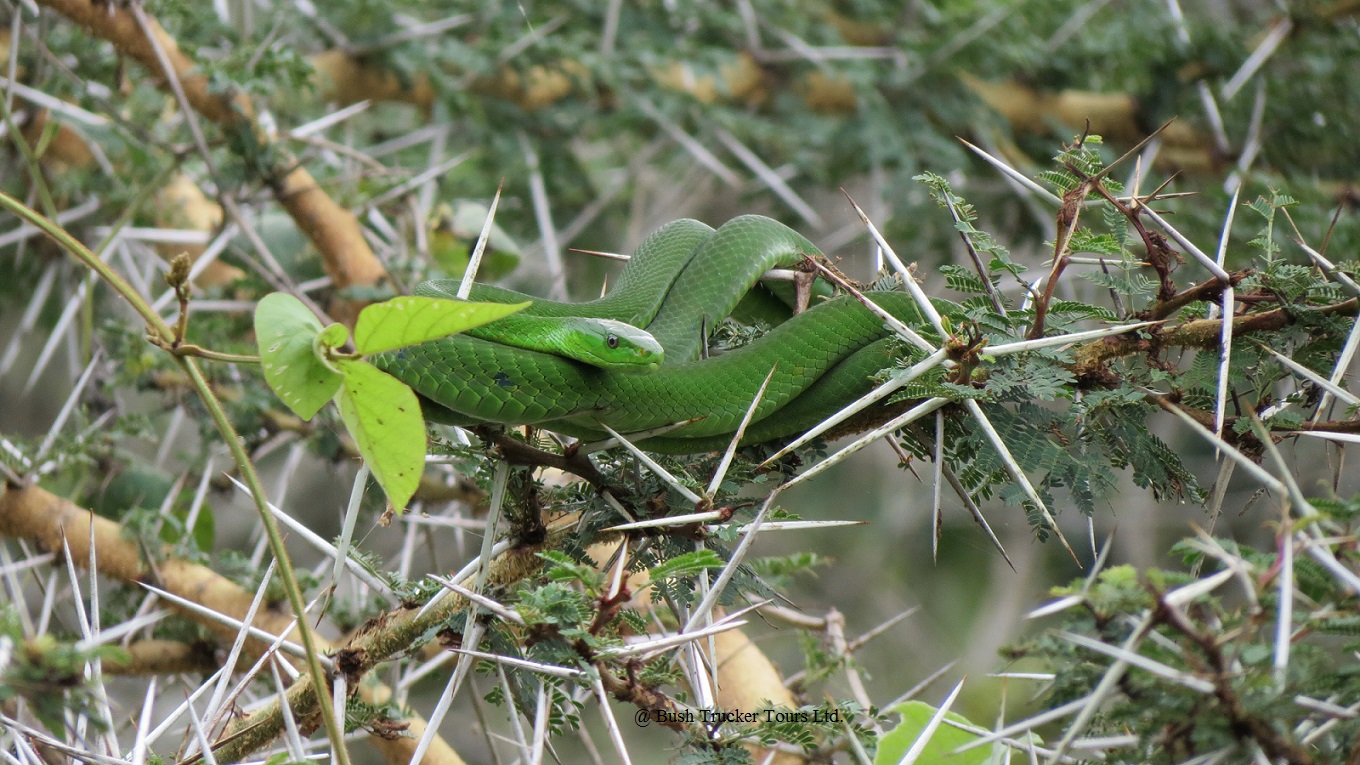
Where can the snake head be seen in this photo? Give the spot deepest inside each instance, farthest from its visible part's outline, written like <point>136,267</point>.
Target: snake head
<point>617,346</point>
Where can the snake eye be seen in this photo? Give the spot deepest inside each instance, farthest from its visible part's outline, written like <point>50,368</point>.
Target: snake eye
<point>612,341</point>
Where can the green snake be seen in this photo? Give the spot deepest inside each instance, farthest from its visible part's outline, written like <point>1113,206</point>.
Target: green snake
<point>684,279</point>
<point>603,343</point>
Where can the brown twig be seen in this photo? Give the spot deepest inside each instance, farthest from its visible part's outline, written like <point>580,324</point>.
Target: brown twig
<point>1068,216</point>
<point>1204,291</point>
<point>1200,333</point>
<point>517,452</point>
<point>1276,745</point>
<point>1160,254</point>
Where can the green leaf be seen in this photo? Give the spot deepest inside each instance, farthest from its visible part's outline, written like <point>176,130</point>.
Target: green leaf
<point>383,416</point>
<point>1081,310</point>
<point>329,340</point>
<point>1084,240</point>
<point>915,717</point>
<point>683,565</point>
<point>333,337</point>
<point>412,319</point>
<point>286,333</point>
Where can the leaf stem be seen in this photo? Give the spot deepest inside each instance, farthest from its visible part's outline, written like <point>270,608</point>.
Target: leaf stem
<point>189,349</point>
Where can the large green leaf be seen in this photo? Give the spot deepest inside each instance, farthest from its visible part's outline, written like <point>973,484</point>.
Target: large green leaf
<point>286,333</point>
<point>412,319</point>
<point>383,416</point>
<point>915,717</point>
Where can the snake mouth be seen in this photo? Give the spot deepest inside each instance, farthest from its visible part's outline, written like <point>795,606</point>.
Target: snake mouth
<point>630,366</point>
<point>636,369</point>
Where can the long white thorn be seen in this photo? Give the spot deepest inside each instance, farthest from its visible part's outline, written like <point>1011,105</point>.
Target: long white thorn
<point>915,413</point>
<point>721,472</point>
<point>1017,473</point>
<point>710,600</point>
<point>863,402</point>
<point>1224,360</point>
<point>655,467</point>
<point>928,731</point>
<point>475,260</point>
<point>1014,175</point>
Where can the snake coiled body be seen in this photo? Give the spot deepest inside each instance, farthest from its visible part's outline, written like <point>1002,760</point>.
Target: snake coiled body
<point>822,359</point>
